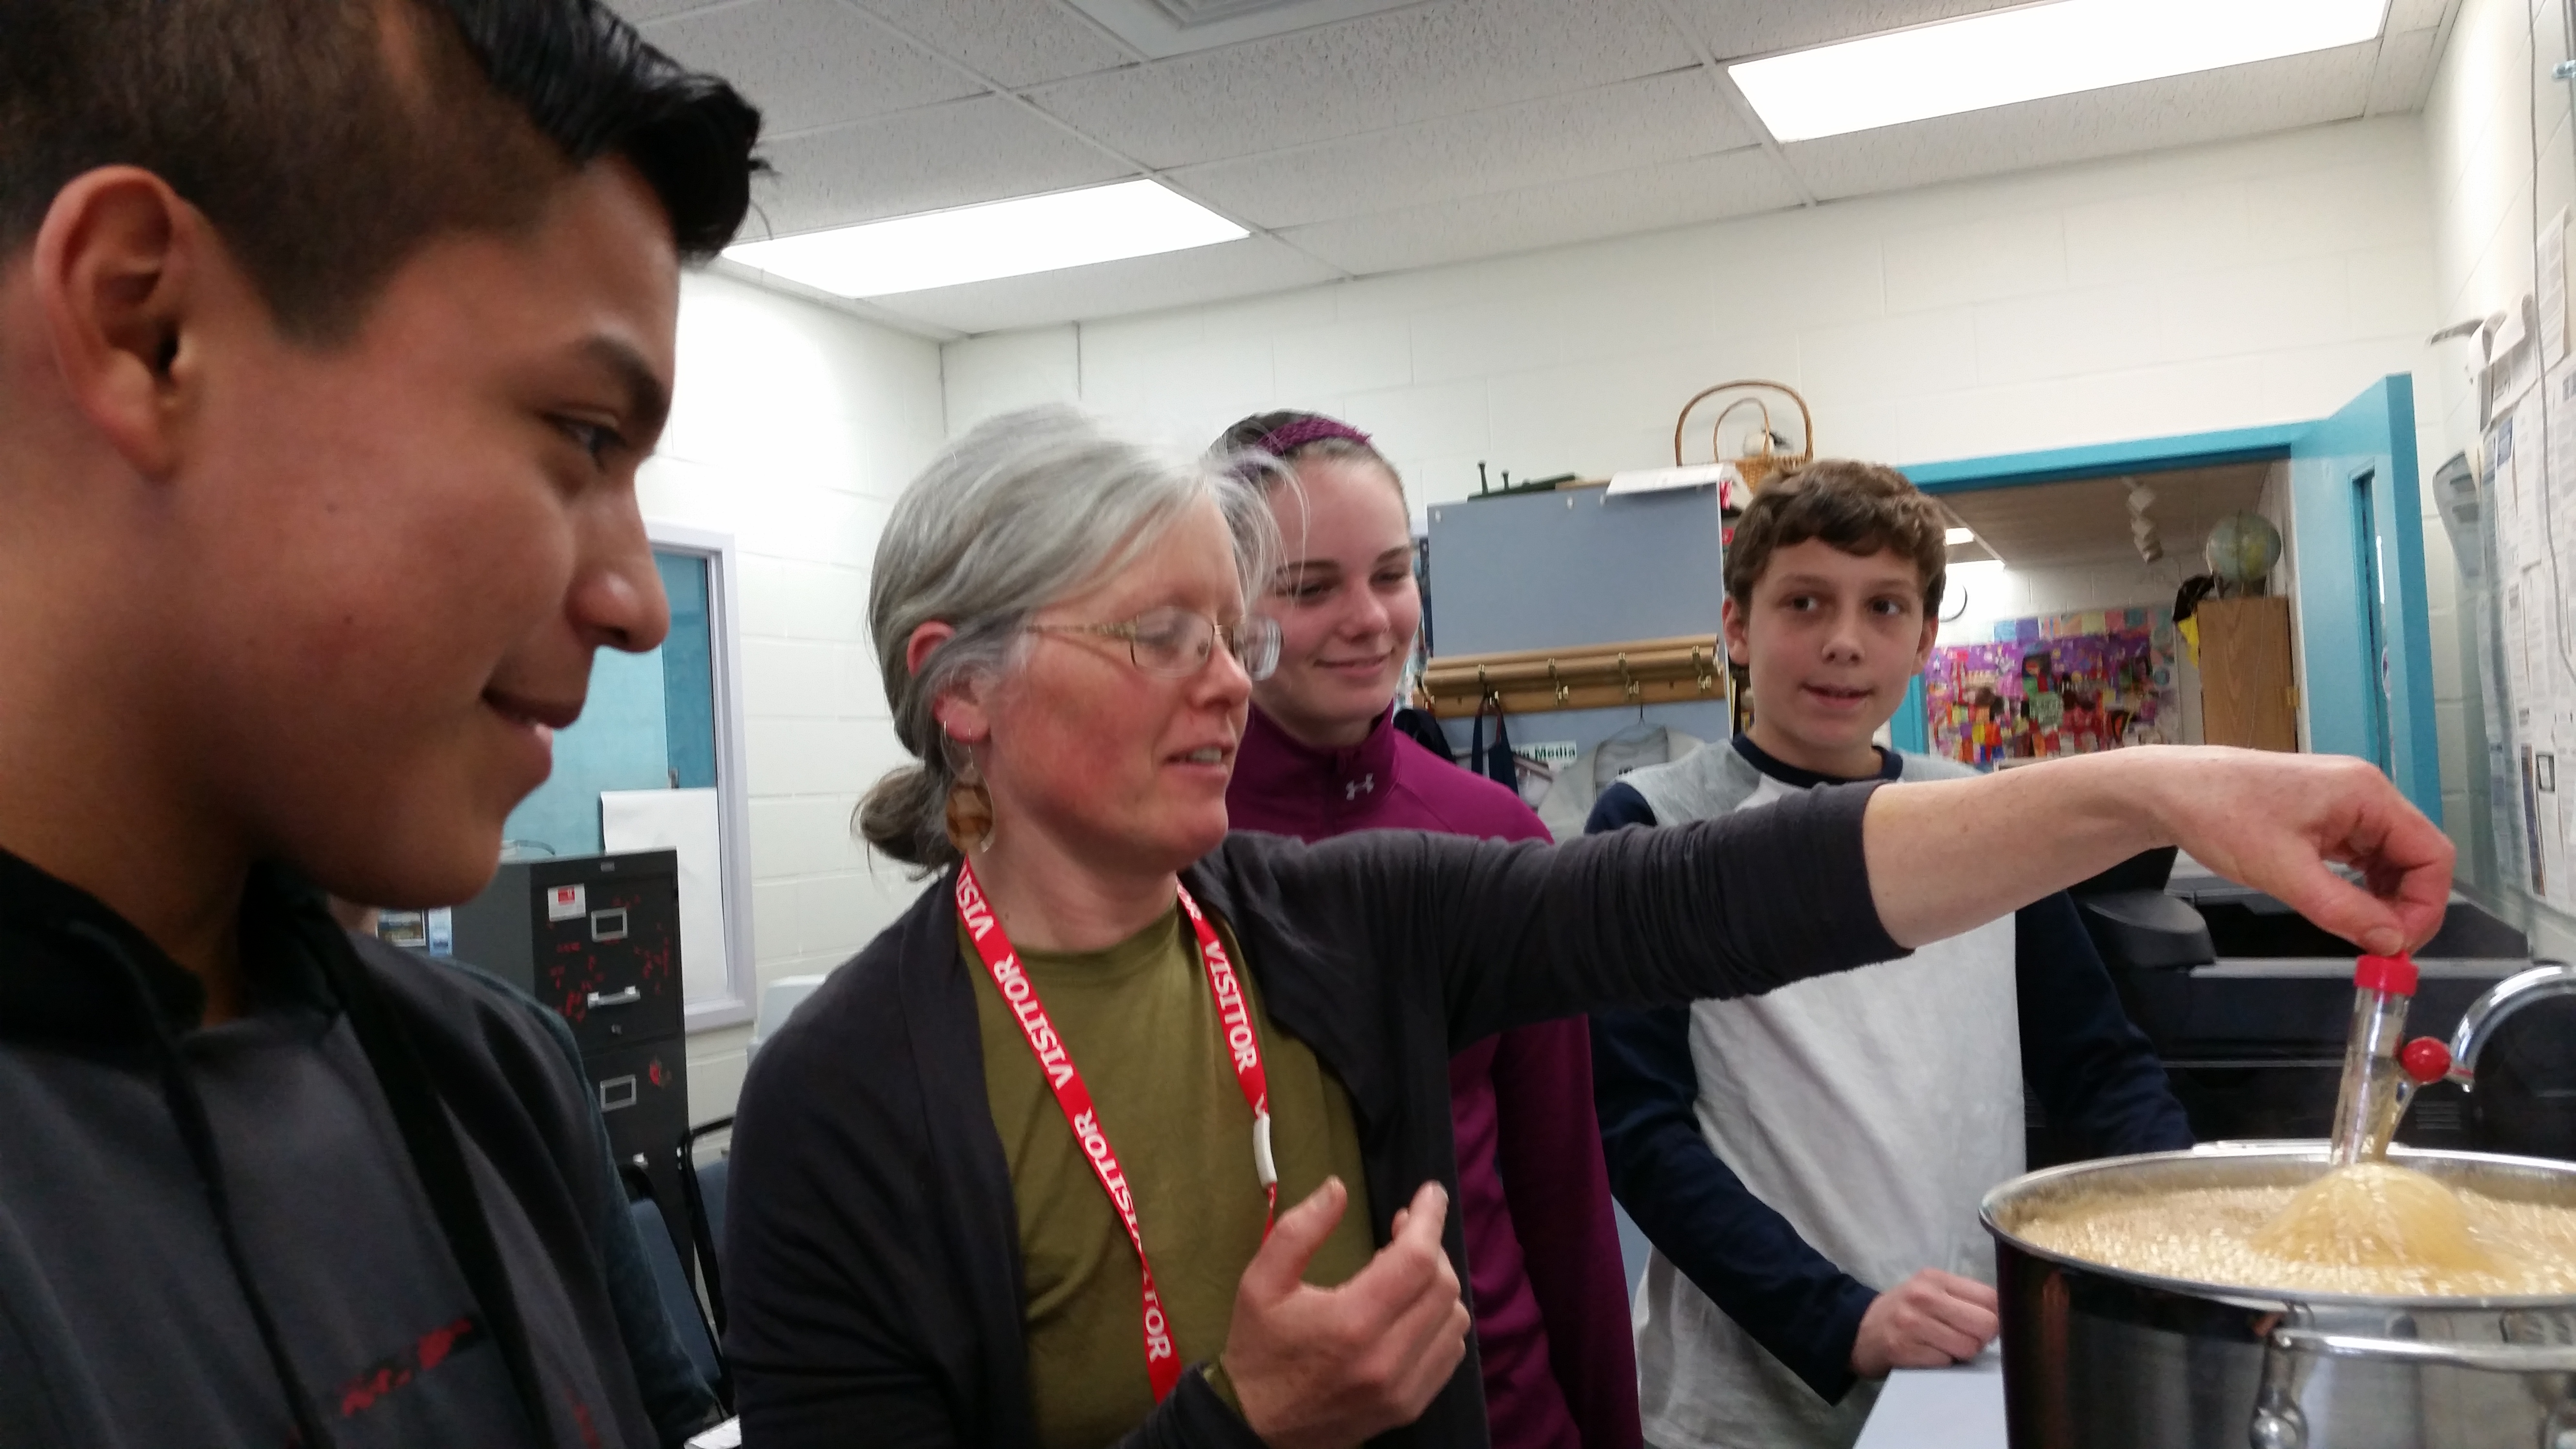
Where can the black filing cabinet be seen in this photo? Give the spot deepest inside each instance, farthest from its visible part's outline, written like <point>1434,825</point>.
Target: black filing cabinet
<point>596,938</point>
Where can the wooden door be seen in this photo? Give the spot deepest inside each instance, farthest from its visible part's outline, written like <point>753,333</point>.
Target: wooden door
<point>2248,692</point>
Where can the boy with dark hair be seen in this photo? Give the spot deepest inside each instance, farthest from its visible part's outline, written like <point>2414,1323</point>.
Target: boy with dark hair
<point>1808,1164</point>
<point>332,333</point>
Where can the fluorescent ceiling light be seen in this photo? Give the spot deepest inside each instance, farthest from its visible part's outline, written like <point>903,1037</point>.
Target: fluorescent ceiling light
<point>2032,51</point>
<point>1957,536</point>
<point>999,239</point>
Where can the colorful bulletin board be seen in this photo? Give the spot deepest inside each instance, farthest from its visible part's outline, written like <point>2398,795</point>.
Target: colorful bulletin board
<point>2059,684</point>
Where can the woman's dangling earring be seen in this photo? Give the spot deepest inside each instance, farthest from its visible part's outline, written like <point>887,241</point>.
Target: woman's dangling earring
<point>970,804</point>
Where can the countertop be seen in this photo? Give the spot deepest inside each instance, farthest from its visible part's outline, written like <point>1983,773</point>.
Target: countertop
<point>1951,1408</point>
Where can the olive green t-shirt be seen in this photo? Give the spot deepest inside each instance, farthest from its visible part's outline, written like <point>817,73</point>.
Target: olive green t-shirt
<point>1139,1022</point>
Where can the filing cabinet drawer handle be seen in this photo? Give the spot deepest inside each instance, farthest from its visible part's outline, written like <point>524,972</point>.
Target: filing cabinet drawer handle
<point>627,997</point>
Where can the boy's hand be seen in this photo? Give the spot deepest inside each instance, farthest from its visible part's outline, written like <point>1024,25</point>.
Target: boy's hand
<point>1931,1320</point>
<point>1325,1368</point>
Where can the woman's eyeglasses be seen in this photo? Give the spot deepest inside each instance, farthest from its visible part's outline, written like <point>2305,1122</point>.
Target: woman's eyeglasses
<point>1177,643</point>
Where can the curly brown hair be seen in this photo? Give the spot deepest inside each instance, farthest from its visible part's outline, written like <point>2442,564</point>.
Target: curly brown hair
<point>1857,507</point>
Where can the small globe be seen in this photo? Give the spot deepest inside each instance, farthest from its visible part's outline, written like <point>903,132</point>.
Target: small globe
<point>2243,547</point>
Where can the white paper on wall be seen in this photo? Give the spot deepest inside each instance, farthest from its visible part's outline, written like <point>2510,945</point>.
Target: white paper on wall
<point>2499,498</point>
<point>2516,659</point>
<point>2513,357</point>
<point>684,821</point>
<point>2558,806</point>
<point>2530,464</point>
<point>2553,289</point>
<point>2550,816</point>
<point>2559,476</point>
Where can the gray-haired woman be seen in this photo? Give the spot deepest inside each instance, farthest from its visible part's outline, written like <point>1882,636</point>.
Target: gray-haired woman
<point>1131,1130</point>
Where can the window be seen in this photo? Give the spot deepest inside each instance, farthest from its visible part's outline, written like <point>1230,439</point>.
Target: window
<point>655,762</point>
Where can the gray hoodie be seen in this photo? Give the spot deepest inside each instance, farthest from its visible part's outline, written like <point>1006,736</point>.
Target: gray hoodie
<point>236,1236</point>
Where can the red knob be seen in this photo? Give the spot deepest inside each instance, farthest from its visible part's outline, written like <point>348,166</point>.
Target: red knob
<point>2426,1060</point>
<point>2392,974</point>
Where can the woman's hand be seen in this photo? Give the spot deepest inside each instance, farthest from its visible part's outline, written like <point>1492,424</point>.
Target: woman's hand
<point>1946,856</point>
<point>2273,821</point>
<point>1325,1368</point>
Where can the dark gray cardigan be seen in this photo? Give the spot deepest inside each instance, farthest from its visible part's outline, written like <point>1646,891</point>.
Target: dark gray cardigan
<point>872,1254</point>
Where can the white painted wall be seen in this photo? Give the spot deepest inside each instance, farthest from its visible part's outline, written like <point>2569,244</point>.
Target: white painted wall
<point>2223,286</point>
<point>2491,98</point>
<point>794,427</point>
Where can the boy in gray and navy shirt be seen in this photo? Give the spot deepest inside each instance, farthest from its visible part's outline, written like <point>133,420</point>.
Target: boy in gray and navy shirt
<point>1808,1163</point>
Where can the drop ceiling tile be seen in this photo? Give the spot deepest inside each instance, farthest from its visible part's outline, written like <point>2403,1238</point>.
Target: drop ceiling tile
<point>809,63</point>
<point>1648,198</point>
<point>1016,42</point>
<point>1734,28</point>
<point>1612,128</point>
<point>2272,95</point>
<point>940,156</point>
<point>2405,74</point>
<point>1365,75</point>
<point>1175,279</point>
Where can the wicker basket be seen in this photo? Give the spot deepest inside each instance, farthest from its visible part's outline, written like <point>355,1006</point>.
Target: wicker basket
<point>1761,466</point>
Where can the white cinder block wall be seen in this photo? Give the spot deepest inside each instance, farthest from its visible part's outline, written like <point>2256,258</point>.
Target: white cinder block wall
<point>2222,286</point>
<point>793,429</point>
<point>2491,98</point>
<point>2225,286</point>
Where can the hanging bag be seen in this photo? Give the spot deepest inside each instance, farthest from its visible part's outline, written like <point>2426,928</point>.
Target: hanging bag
<point>1495,765</point>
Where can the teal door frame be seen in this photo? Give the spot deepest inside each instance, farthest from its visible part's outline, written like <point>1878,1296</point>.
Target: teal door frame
<point>2363,455</point>
<point>2368,696</point>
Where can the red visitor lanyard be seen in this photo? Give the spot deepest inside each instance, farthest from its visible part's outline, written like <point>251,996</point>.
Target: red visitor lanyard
<point>1162,1364</point>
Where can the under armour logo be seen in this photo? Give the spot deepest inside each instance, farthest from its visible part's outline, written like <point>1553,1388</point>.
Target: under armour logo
<point>1352,790</point>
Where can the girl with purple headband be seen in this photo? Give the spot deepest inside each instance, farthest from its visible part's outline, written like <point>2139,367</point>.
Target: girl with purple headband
<point>1319,758</point>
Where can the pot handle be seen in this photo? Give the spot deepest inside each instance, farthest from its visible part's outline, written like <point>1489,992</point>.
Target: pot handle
<point>2499,1358</point>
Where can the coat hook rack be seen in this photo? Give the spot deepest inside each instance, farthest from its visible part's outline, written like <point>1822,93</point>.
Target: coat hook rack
<point>1597,676</point>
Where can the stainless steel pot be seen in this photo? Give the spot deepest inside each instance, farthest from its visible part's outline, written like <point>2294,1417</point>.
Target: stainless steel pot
<point>2101,1358</point>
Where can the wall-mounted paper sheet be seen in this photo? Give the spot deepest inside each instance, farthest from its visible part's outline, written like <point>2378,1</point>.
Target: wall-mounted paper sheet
<point>1655,480</point>
<point>683,821</point>
<point>2553,290</point>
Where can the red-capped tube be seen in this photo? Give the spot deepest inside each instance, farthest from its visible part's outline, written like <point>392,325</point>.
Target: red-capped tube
<point>2394,975</point>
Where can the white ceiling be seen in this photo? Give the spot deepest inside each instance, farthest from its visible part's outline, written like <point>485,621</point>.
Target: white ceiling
<point>1410,135</point>
<point>2056,525</point>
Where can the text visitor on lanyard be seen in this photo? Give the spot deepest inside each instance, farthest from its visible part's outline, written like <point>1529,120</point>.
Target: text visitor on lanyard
<point>1162,1364</point>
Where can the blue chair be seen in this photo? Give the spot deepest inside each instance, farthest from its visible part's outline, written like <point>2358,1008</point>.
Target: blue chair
<point>671,1282</point>
<point>702,1188</point>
